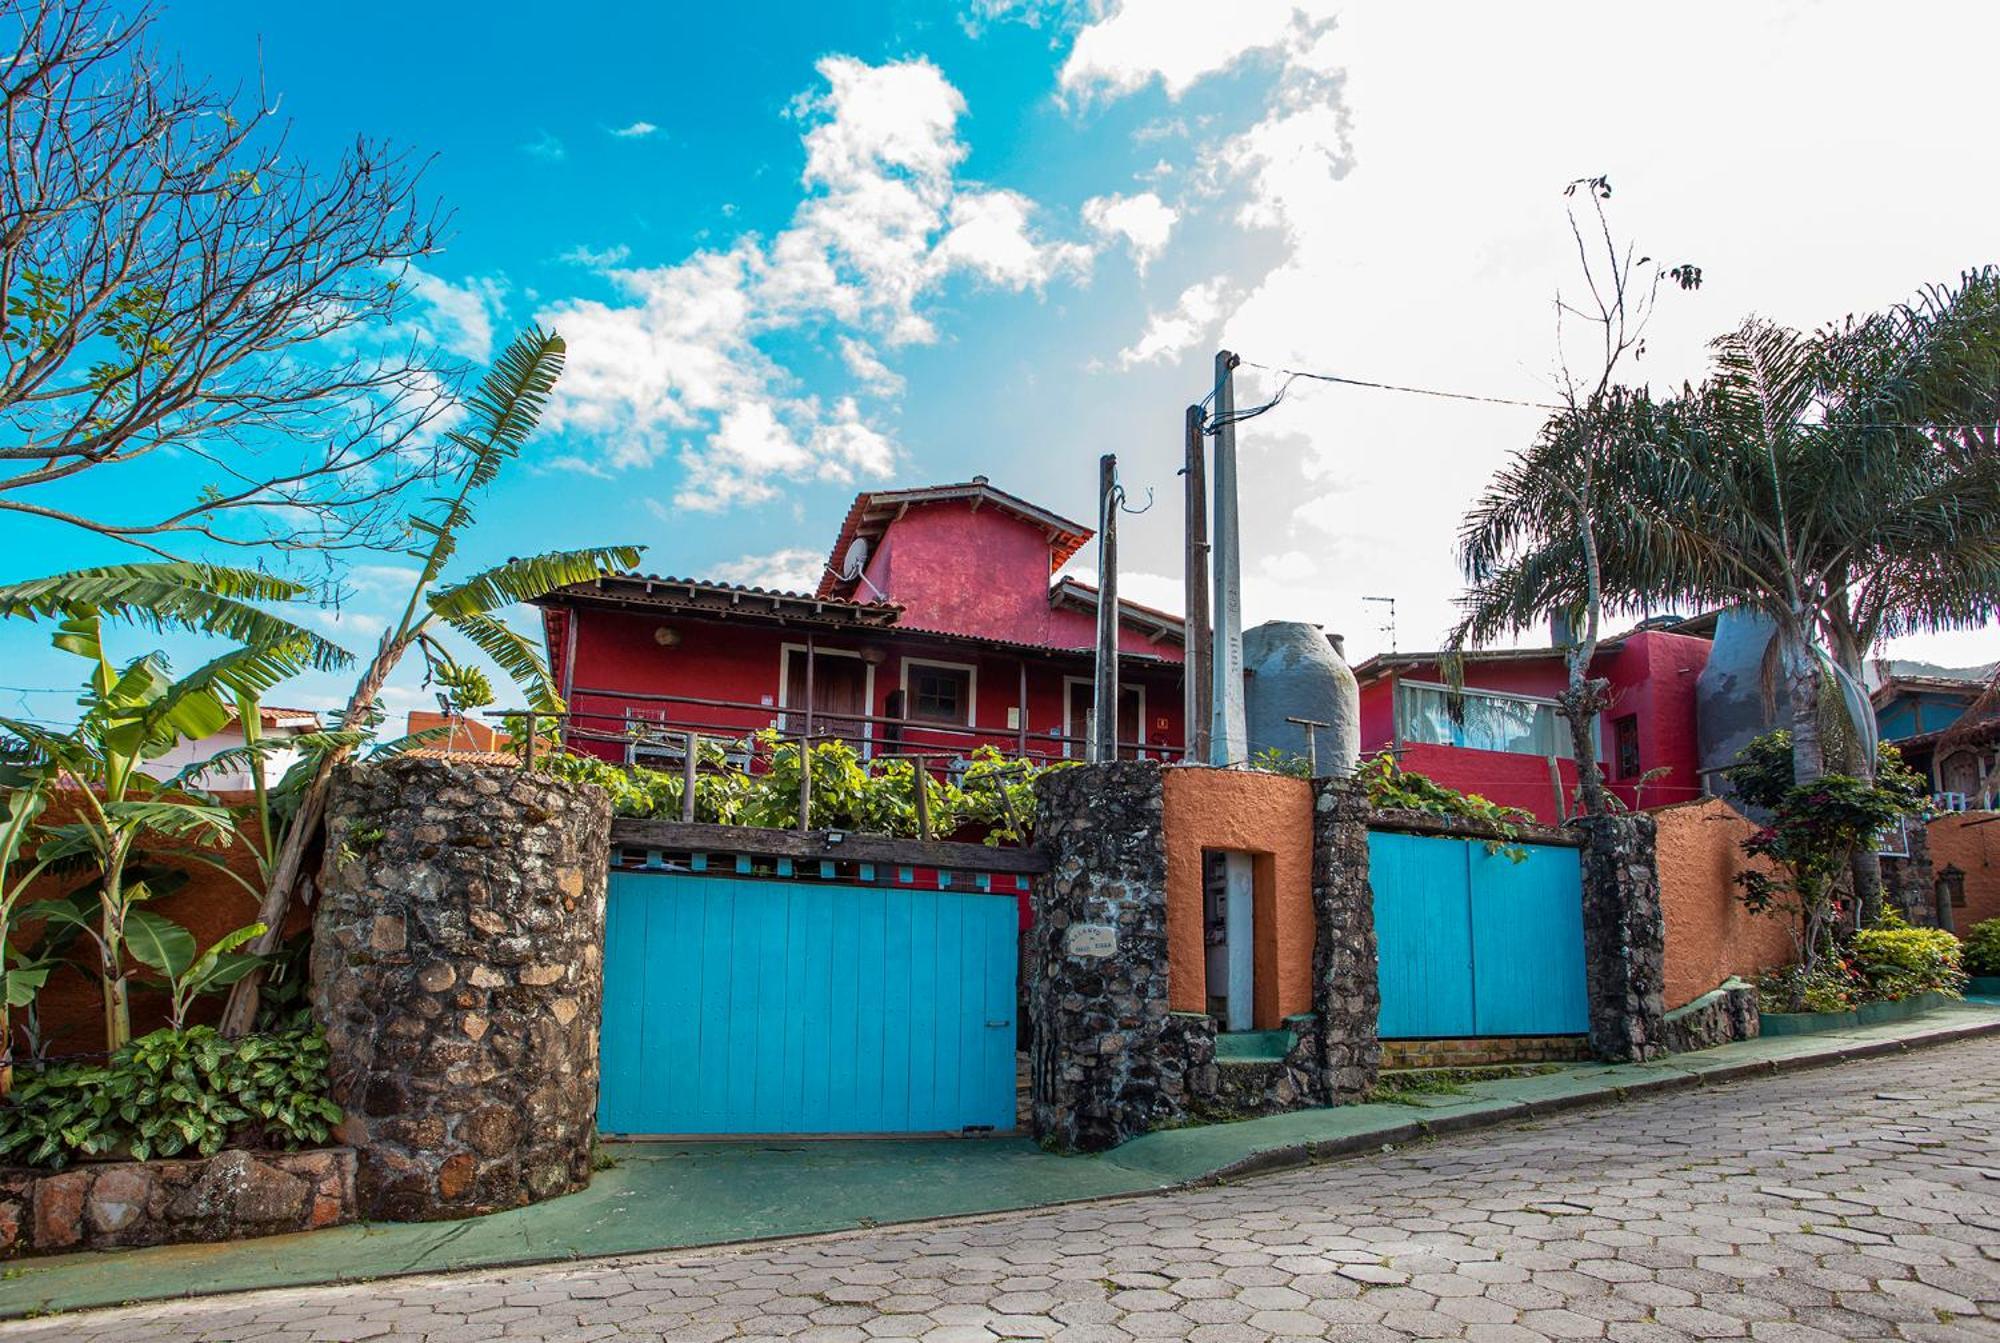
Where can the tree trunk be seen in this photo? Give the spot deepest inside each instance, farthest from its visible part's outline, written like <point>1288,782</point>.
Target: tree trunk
<point>1864,864</point>
<point>1580,706</point>
<point>1802,694</point>
<point>239,1014</point>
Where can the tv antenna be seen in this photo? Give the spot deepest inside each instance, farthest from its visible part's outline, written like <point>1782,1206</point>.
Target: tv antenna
<point>1389,628</point>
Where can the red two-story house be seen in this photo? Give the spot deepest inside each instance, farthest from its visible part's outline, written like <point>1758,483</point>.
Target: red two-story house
<point>1500,736</point>
<point>938,626</point>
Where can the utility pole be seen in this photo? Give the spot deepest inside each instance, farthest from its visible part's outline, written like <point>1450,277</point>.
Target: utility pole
<point>1104,699</point>
<point>1197,667</point>
<point>1228,733</point>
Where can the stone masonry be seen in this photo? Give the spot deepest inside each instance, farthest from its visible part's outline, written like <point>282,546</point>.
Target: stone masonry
<point>1347,995</point>
<point>458,969</point>
<point>1719,1017</point>
<point>229,1196</point>
<point>1110,1060</point>
<point>1097,960</point>
<point>1624,937</point>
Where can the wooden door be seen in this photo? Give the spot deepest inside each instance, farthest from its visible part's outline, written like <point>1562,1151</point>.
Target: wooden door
<point>1082,694</point>
<point>839,696</point>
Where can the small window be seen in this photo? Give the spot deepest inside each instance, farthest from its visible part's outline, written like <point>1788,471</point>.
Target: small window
<point>1628,746</point>
<point>939,694</point>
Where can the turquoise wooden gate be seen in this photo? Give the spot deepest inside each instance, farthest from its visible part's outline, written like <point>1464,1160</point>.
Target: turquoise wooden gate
<point>743,1006</point>
<point>1471,943</point>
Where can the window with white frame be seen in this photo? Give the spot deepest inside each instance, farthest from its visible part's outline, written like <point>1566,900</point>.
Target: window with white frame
<point>1480,720</point>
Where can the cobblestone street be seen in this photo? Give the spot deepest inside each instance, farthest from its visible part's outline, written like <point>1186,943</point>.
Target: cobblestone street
<point>1855,1202</point>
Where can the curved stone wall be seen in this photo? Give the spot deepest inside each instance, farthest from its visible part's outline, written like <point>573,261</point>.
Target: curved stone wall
<point>457,967</point>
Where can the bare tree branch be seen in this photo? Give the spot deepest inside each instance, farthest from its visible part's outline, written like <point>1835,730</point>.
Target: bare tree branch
<point>172,278</point>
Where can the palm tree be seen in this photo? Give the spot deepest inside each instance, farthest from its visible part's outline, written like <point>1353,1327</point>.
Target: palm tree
<point>500,417</point>
<point>1842,483</point>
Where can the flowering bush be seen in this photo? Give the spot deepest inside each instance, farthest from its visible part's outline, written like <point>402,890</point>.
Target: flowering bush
<point>1898,961</point>
<point>1830,986</point>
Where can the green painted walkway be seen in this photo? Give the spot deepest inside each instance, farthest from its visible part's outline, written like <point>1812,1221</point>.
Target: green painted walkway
<point>670,1196</point>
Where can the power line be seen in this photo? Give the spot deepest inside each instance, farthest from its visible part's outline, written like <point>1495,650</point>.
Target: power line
<point>1293,374</point>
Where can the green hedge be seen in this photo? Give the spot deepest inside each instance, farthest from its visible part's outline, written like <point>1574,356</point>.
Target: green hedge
<point>1982,949</point>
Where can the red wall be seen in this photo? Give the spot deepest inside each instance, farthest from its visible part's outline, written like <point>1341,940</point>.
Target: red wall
<point>1652,675</point>
<point>618,652</point>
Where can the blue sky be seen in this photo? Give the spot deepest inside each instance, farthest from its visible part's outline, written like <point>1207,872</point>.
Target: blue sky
<point>799,250</point>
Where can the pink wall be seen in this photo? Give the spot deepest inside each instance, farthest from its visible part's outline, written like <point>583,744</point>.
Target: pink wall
<point>1652,675</point>
<point>983,572</point>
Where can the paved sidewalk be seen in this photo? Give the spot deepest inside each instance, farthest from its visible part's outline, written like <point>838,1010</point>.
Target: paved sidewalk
<point>667,1196</point>
<point>1852,1203</point>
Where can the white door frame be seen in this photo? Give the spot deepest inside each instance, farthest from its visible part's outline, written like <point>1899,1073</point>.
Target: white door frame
<point>785,652</point>
<point>1070,731</point>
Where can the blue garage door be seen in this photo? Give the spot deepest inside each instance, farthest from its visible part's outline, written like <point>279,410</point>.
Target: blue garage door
<point>1472,943</point>
<point>743,1006</point>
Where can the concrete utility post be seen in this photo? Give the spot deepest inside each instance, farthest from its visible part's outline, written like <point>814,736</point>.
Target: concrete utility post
<point>1197,666</point>
<point>1228,733</point>
<point>1104,699</point>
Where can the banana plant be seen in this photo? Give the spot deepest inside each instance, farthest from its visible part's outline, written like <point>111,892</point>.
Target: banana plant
<point>22,975</point>
<point>186,975</point>
<point>132,715</point>
<point>498,420</point>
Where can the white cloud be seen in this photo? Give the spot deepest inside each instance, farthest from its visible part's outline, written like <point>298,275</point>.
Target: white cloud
<point>793,569</point>
<point>596,258</point>
<point>356,622</point>
<point>1144,221</point>
<point>460,316</point>
<point>638,130</point>
<point>673,361</point>
<point>1180,42</point>
<point>1181,327</point>
<point>545,147</point>
<point>866,365</point>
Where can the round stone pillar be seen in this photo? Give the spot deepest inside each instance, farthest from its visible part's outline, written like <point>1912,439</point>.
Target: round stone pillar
<point>457,966</point>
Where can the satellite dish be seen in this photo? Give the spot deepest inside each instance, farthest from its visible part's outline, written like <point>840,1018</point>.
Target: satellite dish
<point>855,560</point>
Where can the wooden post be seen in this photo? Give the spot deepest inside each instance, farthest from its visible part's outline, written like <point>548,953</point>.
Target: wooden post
<point>1311,725</point>
<point>529,763</point>
<point>809,688</point>
<point>1198,665</point>
<point>1021,739</point>
<point>1104,697</point>
<point>920,778</point>
<point>1556,782</point>
<point>805,781</point>
<point>687,776</point>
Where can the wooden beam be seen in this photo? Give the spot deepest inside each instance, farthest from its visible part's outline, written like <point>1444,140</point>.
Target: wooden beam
<point>694,837</point>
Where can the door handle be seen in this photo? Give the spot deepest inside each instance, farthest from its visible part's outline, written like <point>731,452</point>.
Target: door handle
<point>998,1025</point>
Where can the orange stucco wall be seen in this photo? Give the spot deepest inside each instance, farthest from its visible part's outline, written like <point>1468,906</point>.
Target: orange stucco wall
<point>1270,817</point>
<point>1710,935</point>
<point>1975,849</point>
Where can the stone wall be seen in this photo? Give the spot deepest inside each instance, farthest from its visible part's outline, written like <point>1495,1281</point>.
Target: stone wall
<point>1347,993</point>
<point>1909,884</point>
<point>1724,1015</point>
<point>1624,937</point>
<point>118,1204</point>
<point>458,969</point>
<point>1110,1058</point>
<point>1097,960</point>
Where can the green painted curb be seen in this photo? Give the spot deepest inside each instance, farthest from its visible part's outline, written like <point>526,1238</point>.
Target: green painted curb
<point>1868,1014</point>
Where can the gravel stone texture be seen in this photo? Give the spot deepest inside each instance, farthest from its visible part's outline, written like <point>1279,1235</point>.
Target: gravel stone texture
<point>1858,1202</point>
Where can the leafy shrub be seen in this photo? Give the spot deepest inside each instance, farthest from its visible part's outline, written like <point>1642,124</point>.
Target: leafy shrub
<point>1277,760</point>
<point>1982,948</point>
<point>1898,961</point>
<point>1393,789</point>
<point>172,1093</point>
<point>1829,986</point>
<point>848,792</point>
